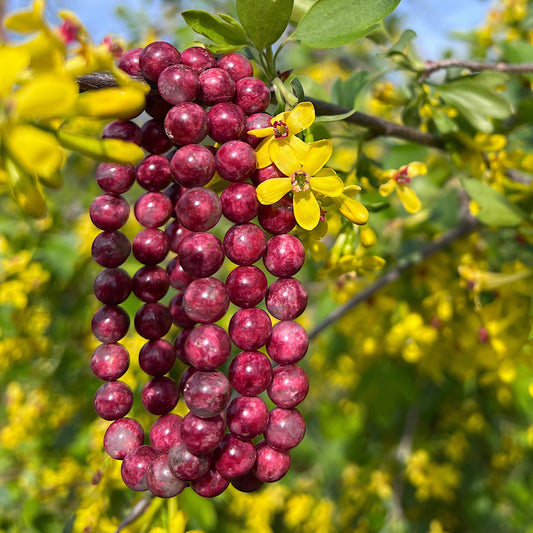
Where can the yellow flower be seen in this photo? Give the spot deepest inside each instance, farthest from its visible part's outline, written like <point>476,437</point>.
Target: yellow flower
<point>353,210</point>
<point>399,180</point>
<point>283,131</point>
<point>305,177</point>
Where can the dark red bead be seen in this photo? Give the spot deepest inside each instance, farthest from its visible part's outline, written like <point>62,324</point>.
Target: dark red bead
<point>247,286</point>
<point>252,95</point>
<point>135,465</point>
<point>113,400</point>
<point>206,300</point>
<point>156,57</point>
<point>156,357</point>
<point>250,373</point>
<point>123,436</point>
<point>286,299</point>
<point>110,361</point>
<point>110,323</point>
<point>250,328</point>
<point>153,321</point>
<point>160,395</point>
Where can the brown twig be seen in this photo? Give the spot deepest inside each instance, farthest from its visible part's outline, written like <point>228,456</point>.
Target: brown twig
<point>377,126</point>
<point>467,225</point>
<point>138,510</point>
<point>401,454</point>
<point>475,66</point>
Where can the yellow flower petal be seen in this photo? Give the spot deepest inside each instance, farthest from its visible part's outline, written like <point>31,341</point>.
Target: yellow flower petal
<point>353,210</point>
<point>115,102</point>
<point>284,157</point>
<point>372,262</point>
<point>387,187</point>
<point>416,168</point>
<point>13,61</point>
<point>47,96</point>
<point>408,198</point>
<point>306,209</point>
<point>352,190</point>
<point>327,185</point>
<point>317,156</point>
<point>300,147</point>
<point>262,153</point>
<point>24,190</point>
<point>36,151</point>
<point>262,132</point>
<point>26,20</point>
<point>300,118</point>
<point>270,191</point>
<point>115,150</point>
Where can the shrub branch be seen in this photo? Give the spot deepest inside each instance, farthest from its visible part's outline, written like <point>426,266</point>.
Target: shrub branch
<point>475,66</point>
<point>467,225</point>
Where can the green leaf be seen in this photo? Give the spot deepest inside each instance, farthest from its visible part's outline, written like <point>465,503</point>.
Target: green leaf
<point>474,98</point>
<point>223,30</point>
<point>345,92</point>
<point>403,53</point>
<point>334,118</point>
<point>444,123</point>
<point>517,51</point>
<point>298,89</point>
<point>69,524</point>
<point>496,209</point>
<point>264,25</point>
<point>332,23</point>
<point>375,207</point>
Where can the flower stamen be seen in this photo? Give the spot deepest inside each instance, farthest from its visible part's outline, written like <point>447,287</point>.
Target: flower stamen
<point>300,181</point>
<point>281,131</point>
<point>402,176</point>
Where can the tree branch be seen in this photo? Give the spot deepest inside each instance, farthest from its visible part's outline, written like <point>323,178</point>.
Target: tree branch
<point>376,125</point>
<point>467,225</point>
<point>514,68</point>
<point>138,510</point>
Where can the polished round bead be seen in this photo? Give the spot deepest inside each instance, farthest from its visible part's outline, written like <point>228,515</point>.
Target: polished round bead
<point>122,436</point>
<point>285,428</point>
<point>247,286</point>
<point>247,417</point>
<point>161,480</point>
<point>271,464</point>
<point>289,386</point>
<point>250,373</point>
<point>234,457</point>
<point>206,300</point>
<point>250,328</point>
<point>110,323</point>
<point>110,361</point>
<point>284,256</point>
<point>244,244</point>
<point>207,347</point>
<point>288,342</point>
<point>153,321</point>
<point>135,465</point>
<point>201,435</point>
<point>286,299</point>
<point>157,357</point>
<point>160,395</point>
<point>113,400</point>
<point>110,249</point>
<point>166,432</point>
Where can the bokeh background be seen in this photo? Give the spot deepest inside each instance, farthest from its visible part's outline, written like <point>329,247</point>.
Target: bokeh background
<point>420,414</point>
